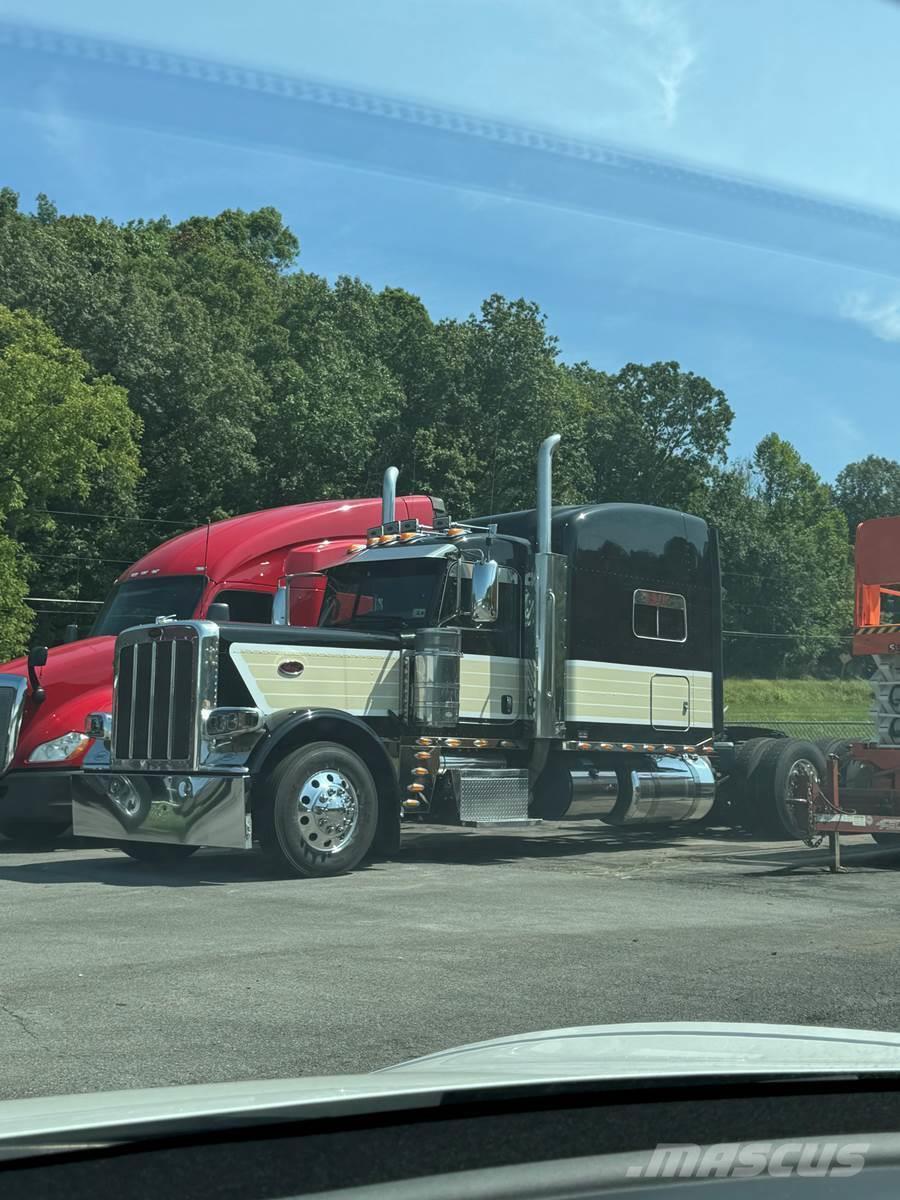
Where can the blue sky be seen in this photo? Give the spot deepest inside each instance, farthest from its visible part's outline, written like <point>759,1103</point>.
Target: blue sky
<point>793,308</point>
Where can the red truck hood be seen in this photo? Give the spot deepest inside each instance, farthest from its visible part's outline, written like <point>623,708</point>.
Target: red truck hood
<point>77,680</point>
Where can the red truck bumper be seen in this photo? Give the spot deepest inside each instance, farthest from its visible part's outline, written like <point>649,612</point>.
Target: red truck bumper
<point>32,800</point>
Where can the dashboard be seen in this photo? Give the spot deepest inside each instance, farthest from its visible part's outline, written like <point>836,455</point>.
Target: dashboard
<point>523,1142</point>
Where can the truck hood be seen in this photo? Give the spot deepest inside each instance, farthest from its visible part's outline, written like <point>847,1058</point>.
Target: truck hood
<point>77,679</point>
<point>90,660</point>
<point>600,1053</point>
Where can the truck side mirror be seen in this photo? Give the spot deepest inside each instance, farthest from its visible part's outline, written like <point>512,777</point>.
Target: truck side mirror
<point>70,634</point>
<point>485,592</point>
<point>218,612</point>
<point>37,657</point>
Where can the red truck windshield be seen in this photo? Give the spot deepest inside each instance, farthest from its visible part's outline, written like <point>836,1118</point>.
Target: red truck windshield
<point>141,601</point>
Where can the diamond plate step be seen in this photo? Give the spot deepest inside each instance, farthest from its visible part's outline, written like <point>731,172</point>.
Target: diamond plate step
<point>491,796</point>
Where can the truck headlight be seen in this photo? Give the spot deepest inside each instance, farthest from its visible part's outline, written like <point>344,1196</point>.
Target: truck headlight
<point>229,722</point>
<point>60,749</point>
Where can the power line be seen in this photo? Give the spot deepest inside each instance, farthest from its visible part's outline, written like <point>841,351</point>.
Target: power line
<point>61,612</point>
<point>60,600</point>
<point>65,512</point>
<point>88,558</point>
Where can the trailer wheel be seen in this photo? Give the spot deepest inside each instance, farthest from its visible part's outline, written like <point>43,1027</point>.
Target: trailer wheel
<point>553,791</point>
<point>319,814</point>
<point>784,772</point>
<point>159,854</point>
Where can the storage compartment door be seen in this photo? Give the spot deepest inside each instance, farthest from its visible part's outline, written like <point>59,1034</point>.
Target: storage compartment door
<point>670,702</point>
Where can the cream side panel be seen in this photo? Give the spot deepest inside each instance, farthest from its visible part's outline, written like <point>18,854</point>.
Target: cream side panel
<point>362,682</point>
<point>483,680</point>
<point>619,693</point>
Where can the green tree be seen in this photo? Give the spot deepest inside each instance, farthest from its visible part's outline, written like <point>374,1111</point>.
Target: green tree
<point>868,488</point>
<point>185,317</point>
<point>785,563</point>
<point>667,436</point>
<point>65,435</point>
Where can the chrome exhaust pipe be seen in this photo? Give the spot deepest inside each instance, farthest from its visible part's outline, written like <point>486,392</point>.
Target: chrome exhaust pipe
<point>389,496</point>
<point>545,491</point>
<point>549,613</point>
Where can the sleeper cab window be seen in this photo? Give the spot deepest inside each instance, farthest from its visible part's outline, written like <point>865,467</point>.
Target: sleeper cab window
<point>659,615</point>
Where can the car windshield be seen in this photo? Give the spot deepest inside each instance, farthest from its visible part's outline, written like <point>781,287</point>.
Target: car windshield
<point>141,601</point>
<point>516,377</point>
<point>404,593</point>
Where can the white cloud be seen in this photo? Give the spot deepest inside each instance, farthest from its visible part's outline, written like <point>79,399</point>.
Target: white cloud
<point>844,429</point>
<point>881,316</point>
<point>665,51</point>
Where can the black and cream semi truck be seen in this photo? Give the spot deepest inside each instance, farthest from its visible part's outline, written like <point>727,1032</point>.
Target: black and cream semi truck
<point>515,668</point>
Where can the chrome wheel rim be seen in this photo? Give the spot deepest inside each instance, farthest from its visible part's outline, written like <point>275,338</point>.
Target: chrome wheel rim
<point>327,811</point>
<point>802,775</point>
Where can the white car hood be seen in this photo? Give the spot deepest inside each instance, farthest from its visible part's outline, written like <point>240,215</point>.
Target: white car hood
<point>605,1053</point>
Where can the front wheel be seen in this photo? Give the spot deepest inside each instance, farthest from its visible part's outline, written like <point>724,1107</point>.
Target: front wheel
<point>319,814</point>
<point>33,835</point>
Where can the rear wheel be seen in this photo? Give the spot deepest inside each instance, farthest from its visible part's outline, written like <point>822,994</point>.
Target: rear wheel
<point>158,854</point>
<point>733,796</point>
<point>837,746</point>
<point>320,812</point>
<point>786,771</point>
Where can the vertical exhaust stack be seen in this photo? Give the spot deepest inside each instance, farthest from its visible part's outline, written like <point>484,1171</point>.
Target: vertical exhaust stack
<point>545,491</point>
<point>550,594</point>
<point>389,496</point>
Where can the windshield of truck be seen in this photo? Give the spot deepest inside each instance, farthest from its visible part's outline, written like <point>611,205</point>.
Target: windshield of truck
<point>141,601</point>
<point>400,593</point>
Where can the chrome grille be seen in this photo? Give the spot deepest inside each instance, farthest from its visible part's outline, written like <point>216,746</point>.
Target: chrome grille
<point>12,699</point>
<point>157,694</point>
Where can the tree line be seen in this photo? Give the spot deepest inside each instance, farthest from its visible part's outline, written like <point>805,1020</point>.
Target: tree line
<point>154,376</point>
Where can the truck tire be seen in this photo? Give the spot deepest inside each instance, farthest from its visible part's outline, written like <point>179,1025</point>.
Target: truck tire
<point>157,854</point>
<point>552,795</point>
<point>33,835</point>
<point>733,794</point>
<point>319,813</point>
<point>783,770</point>
<point>838,746</point>
<point>888,840</point>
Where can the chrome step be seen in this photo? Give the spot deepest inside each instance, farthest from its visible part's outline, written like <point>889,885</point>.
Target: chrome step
<point>491,797</point>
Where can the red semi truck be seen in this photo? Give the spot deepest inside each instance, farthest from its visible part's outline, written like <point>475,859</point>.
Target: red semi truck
<point>239,562</point>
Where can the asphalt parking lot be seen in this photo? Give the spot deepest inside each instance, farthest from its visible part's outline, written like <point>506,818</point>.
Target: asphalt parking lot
<point>116,975</point>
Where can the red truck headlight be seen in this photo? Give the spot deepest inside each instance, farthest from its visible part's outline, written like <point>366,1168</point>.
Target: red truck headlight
<point>61,749</point>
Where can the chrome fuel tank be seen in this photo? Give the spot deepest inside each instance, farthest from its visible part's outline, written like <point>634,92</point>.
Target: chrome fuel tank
<point>669,790</point>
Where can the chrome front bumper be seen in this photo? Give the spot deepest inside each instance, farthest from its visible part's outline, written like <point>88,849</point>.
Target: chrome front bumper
<point>184,810</point>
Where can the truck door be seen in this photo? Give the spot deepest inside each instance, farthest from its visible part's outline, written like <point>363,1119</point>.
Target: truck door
<point>670,702</point>
<point>492,670</point>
